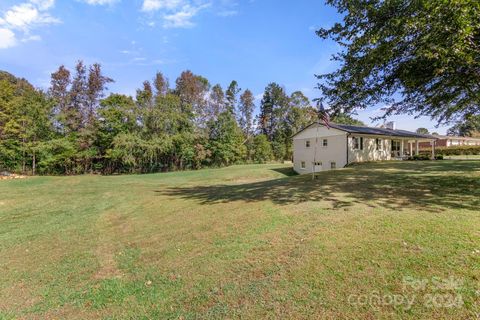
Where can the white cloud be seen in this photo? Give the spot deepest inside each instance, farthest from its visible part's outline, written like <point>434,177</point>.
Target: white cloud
<point>226,8</point>
<point>183,17</point>
<point>174,13</point>
<point>155,5</point>
<point>100,2</point>
<point>32,38</point>
<point>26,16</point>
<point>7,38</point>
<point>43,4</point>
<point>21,19</point>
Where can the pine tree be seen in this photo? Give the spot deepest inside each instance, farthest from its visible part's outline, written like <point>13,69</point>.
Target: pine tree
<point>231,96</point>
<point>272,109</point>
<point>245,113</point>
<point>161,84</point>
<point>77,110</point>
<point>95,90</point>
<point>59,92</point>
<point>216,102</point>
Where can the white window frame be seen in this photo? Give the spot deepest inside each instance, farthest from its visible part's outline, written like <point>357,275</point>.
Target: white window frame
<point>333,165</point>
<point>357,143</point>
<point>303,165</point>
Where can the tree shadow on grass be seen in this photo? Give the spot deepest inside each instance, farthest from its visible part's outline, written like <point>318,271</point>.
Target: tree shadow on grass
<point>431,186</point>
<point>286,171</point>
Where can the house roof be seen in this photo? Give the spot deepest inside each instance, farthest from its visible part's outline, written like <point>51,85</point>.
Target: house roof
<point>457,138</point>
<point>375,131</point>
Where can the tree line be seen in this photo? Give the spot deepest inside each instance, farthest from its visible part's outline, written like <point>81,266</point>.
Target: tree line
<point>74,128</point>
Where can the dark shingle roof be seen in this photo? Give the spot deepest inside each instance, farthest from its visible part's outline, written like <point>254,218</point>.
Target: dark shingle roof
<point>377,131</point>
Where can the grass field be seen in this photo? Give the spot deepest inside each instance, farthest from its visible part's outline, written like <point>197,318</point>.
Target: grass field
<point>463,157</point>
<point>398,240</point>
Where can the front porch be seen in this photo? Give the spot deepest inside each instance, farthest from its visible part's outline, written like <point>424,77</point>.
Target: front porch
<point>403,148</point>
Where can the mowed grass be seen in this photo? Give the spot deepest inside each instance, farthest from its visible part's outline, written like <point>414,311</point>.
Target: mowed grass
<point>246,242</point>
<point>463,157</point>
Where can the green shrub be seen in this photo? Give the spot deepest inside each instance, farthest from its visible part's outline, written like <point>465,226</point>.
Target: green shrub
<point>420,157</point>
<point>455,151</point>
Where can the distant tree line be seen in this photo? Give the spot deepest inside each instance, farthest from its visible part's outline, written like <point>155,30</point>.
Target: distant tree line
<point>73,128</point>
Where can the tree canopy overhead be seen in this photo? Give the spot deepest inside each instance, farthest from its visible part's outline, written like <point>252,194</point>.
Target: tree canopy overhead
<point>417,57</point>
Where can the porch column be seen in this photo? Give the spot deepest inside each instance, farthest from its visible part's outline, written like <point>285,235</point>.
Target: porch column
<point>416,147</point>
<point>433,150</point>
<point>402,145</point>
<point>410,144</point>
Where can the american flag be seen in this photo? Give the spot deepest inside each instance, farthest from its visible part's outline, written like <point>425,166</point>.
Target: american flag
<point>323,115</point>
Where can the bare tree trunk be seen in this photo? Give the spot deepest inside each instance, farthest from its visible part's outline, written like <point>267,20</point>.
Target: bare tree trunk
<point>34,163</point>
<point>23,157</point>
<point>24,151</point>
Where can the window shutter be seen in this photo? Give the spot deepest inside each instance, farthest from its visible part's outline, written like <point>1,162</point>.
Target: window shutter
<point>361,143</point>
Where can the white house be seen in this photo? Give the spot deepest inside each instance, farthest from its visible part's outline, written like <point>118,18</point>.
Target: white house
<point>318,148</point>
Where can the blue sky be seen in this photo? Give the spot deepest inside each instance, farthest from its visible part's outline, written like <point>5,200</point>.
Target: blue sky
<point>253,41</point>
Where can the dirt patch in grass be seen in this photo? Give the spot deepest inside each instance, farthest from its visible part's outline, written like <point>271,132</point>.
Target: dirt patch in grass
<point>69,312</point>
<point>11,176</point>
<point>17,297</point>
<point>111,226</point>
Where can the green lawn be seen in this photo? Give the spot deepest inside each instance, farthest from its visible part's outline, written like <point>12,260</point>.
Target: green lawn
<point>245,242</point>
<point>463,157</point>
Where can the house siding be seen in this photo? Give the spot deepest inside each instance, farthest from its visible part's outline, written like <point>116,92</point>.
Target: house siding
<point>369,152</point>
<point>341,149</point>
<point>336,151</point>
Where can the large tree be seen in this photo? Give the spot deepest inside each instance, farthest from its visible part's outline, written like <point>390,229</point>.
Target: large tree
<point>25,121</point>
<point>192,90</point>
<point>216,102</point>
<point>272,107</point>
<point>96,87</point>
<point>225,140</point>
<point>245,112</point>
<point>78,98</point>
<point>231,96</point>
<point>470,127</point>
<point>161,84</point>
<point>343,118</point>
<point>417,57</point>
<point>60,94</point>
<point>422,131</point>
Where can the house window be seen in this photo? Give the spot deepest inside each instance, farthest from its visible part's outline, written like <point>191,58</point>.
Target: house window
<point>307,144</point>
<point>357,143</point>
<point>333,165</point>
<point>302,164</point>
<point>379,144</point>
<point>395,148</point>
<point>325,142</point>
